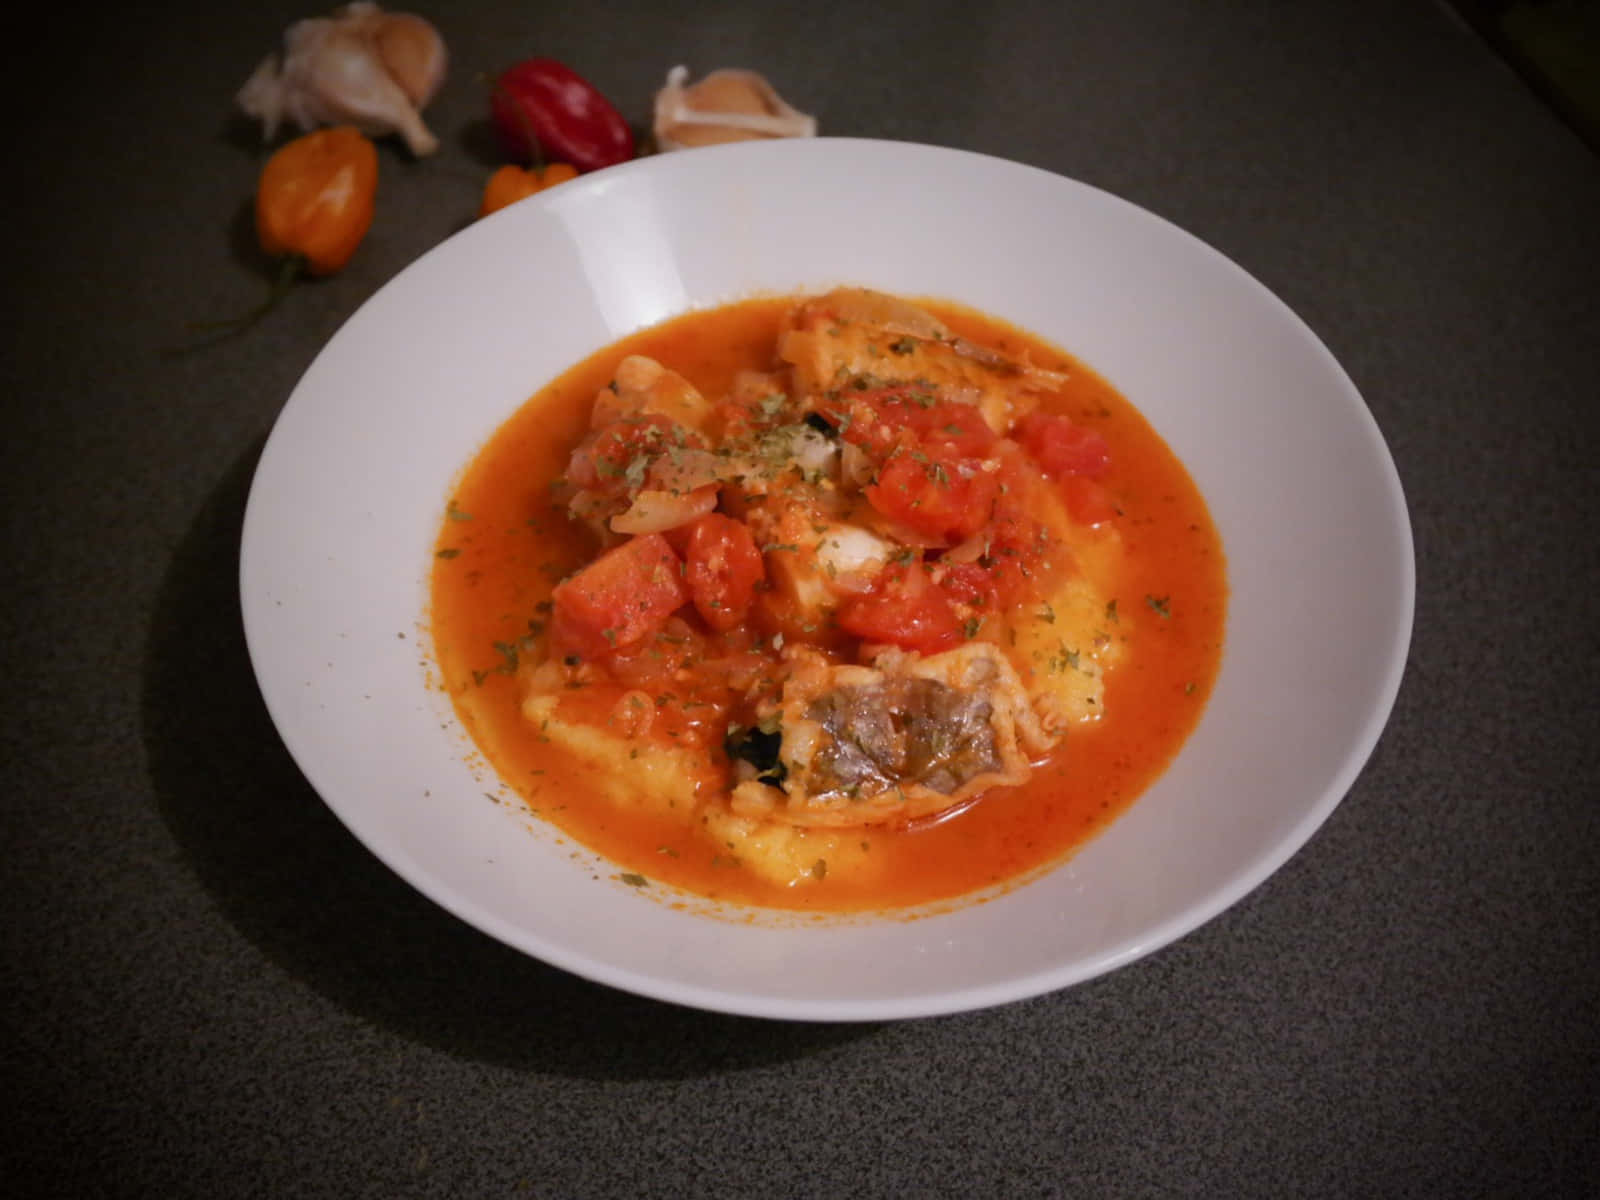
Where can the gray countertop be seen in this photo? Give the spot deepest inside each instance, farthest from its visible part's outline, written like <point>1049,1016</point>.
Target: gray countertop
<point>213,990</point>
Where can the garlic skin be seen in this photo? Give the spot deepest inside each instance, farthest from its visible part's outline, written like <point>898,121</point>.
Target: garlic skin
<point>359,66</point>
<point>728,105</point>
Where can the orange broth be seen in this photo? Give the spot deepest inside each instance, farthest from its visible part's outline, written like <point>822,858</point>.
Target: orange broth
<point>504,545</point>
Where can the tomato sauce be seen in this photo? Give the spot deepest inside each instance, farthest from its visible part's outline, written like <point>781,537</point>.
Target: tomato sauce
<point>504,544</point>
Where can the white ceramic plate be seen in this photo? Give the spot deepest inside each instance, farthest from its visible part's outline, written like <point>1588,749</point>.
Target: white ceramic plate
<point>350,489</point>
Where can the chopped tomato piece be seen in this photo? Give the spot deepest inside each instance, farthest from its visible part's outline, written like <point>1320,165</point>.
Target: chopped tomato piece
<point>904,608</point>
<point>723,568</point>
<point>942,496</point>
<point>1062,447</point>
<point>1017,546</point>
<point>615,457</point>
<point>882,419</point>
<point>619,599</point>
<point>652,664</point>
<point>969,583</point>
<point>1088,502</point>
<point>958,426</point>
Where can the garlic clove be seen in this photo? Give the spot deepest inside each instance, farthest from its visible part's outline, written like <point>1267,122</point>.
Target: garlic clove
<point>344,82</point>
<point>263,95</point>
<point>728,105</point>
<point>359,66</point>
<point>414,54</point>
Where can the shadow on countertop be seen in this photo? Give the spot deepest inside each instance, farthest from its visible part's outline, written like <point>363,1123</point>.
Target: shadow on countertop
<point>1554,45</point>
<point>296,883</point>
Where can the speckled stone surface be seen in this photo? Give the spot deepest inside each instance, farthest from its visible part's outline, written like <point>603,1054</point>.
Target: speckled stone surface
<point>212,990</point>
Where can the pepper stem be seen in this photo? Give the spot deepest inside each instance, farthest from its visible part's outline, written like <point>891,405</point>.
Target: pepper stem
<point>289,271</point>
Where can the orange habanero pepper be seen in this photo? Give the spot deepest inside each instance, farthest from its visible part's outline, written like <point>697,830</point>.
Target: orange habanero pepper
<point>512,183</point>
<point>315,198</point>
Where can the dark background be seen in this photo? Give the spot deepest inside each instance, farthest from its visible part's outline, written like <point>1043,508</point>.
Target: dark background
<point>211,990</point>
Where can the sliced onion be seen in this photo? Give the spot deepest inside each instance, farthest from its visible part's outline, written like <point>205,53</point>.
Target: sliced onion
<point>689,469</point>
<point>1039,377</point>
<point>868,307</point>
<point>971,550</point>
<point>655,511</point>
<point>855,465</point>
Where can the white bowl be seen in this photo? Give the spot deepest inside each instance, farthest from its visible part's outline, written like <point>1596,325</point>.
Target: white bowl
<point>350,488</point>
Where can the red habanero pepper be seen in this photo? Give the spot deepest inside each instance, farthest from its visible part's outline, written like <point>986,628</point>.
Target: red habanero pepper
<point>542,107</point>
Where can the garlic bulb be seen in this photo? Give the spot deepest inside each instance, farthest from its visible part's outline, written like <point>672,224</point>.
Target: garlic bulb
<point>358,66</point>
<point>726,106</point>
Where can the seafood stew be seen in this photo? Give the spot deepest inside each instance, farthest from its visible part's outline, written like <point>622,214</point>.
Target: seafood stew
<point>835,602</point>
